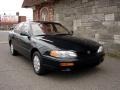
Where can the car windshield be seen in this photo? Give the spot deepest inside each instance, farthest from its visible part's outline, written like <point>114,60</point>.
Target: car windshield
<point>48,29</point>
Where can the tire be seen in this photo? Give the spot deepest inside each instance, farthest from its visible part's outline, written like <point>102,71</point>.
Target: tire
<point>38,67</point>
<point>12,50</point>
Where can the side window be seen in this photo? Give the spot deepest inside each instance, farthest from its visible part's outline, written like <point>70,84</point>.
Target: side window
<point>18,28</point>
<point>25,28</point>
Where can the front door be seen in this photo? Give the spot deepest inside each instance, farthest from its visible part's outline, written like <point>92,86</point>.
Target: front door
<point>25,41</point>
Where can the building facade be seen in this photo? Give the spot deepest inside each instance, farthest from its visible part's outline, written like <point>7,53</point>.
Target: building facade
<point>42,9</point>
<point>95,19</point>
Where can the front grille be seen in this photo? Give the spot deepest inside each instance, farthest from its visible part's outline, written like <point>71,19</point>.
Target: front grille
<point>86,53</point>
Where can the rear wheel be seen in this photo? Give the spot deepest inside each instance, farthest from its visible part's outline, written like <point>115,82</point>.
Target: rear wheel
<point>37,64</point>
<point>12,50</point>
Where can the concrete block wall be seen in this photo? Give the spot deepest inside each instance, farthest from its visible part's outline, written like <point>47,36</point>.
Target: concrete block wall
<point>95,19</point>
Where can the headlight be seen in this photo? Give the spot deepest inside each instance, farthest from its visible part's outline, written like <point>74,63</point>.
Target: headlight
<point>63,54</point>
<point>100,49</point>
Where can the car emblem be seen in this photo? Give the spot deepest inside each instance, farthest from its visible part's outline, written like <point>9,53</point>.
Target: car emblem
<point>88,52</point>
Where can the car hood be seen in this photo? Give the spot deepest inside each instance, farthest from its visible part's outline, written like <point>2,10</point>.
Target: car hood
<point>69,42</point>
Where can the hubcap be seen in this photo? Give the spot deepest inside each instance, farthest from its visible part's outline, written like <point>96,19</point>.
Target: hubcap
<point>11,48</point>
<point>36,62</point>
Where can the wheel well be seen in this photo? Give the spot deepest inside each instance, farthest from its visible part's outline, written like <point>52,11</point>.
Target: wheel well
<point>32,51</point>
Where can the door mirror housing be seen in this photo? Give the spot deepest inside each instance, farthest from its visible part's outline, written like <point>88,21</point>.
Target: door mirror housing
<point>25,34</point>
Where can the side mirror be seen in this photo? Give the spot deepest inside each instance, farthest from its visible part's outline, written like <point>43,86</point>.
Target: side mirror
<point>25,34</point>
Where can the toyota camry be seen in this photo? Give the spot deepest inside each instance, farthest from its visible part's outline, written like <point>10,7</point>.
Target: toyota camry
<point>51,46</point>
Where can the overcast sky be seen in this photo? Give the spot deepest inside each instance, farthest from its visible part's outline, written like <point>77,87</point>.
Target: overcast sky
<point>10,7</point>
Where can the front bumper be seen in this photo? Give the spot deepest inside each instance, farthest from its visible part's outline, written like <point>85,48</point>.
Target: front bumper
<point>54,63</point>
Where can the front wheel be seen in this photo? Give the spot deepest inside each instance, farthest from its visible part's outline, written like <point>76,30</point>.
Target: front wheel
<point>12,50</point>
<point>37,64</point>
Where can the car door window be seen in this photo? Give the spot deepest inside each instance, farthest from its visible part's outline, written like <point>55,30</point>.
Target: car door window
<point>18,28</point>
<point>25,28</point>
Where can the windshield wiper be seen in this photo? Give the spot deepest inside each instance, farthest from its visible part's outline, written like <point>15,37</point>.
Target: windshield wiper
<point>44,35</point>
<point>53,34</point>
<point>62,34</point>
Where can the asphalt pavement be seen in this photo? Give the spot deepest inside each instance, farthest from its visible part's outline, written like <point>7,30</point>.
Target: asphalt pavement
<point>3,36</point>
<point>16,73</point>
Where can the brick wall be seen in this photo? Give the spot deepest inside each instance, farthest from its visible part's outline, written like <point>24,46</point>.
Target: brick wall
<point>95,19</point>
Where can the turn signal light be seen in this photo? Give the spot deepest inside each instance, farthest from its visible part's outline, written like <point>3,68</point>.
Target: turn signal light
<point>66,64</point>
